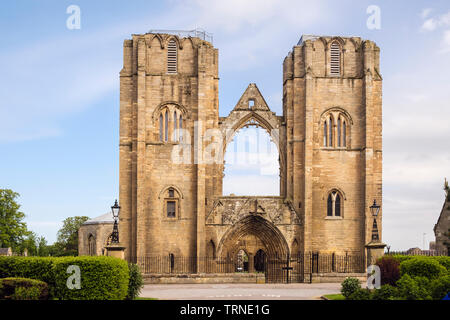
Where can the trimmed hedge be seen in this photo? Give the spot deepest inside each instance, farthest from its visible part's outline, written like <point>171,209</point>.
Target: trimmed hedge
<point>102,278</point>
<point>443,260</point>
<point>23,289</point>
<point>422,267</point>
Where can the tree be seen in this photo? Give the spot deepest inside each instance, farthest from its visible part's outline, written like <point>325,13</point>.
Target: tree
<point>43,249</point>
<point>67,237</point>
<point>12,229</point>
<point>29,243</point>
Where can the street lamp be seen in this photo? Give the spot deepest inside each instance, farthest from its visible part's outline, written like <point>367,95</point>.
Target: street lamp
<point>115,211</point>
<point>375,209</point>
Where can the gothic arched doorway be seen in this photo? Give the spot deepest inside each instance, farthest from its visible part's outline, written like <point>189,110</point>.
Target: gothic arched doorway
<point>254,228</point>
<point>260,261</point>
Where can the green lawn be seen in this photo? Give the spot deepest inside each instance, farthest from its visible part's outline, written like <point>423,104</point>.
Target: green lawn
<point>336,296</point>
<point>139,298</point>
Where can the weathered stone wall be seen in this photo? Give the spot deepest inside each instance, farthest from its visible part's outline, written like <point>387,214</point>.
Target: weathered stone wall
<point>310,93</point>
<point>99,231</point>
<point>205,221</point>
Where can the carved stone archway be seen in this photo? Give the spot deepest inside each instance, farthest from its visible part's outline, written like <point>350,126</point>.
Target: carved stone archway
<point>255,226</point>
<point>252,110</point>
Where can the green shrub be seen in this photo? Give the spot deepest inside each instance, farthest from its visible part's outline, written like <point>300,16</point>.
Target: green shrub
<point>443,260</point>
<point>385,292</point>
<point>389,270</point>
<point>23,289</point>
<point>361,294</point>
<point>440,287</point>
<point>102,278</point>
<point>38,268</point>
<point>412,289</point>
<point>422,267</point>
<point>135,283</point>
<point>349,286</point>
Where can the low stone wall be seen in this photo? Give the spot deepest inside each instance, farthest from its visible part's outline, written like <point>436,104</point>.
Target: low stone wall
<point>241,278</point>
<point>336,277</point>
<point>204,278</point>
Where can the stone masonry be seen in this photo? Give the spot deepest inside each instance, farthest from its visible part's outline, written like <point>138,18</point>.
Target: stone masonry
<point>329,140</point>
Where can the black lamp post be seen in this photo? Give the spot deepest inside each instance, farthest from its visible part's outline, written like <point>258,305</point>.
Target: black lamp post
<point>115,211</point>
<point>375,209</point>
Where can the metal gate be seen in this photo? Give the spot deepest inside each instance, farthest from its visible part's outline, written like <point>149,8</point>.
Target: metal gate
<point>285,269</point>
<point>302,266</point>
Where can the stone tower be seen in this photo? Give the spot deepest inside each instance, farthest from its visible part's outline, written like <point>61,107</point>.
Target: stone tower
<point>328,138</point>
<point>332,108</point>
<point>167,82</point>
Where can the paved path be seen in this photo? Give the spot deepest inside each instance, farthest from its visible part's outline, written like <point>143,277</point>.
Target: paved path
<point>295,291</point>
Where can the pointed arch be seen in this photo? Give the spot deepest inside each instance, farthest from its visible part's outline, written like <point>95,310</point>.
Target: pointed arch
<point>158,37</point>
<point>166,189</point>
<point>255,225</point>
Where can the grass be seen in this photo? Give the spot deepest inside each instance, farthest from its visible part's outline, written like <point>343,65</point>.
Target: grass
<point>336,296</point>
<point>142,298</point>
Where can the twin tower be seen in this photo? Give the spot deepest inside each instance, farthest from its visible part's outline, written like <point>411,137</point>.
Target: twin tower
<point>329,140</point>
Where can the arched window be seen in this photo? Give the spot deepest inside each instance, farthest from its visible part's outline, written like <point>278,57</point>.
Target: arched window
<point>181,128</point>
<point>171,203</point>
<point>161,128</point>
<point>330,140</point>
<point>175,126</point>
<point>334,204</point>
<point>335,134</point>
<point>329,206</point>
<point>344,134</point>
<point>166,126</point>
<point>172,57</point>
<point>91,245</point>
<point>335,59</point>
<point>339,132</point>
<point>170,123</point>
<point>337,205</point>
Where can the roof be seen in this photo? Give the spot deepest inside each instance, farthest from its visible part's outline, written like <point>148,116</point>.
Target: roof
<point>4,251</point>
<point>105,218</point>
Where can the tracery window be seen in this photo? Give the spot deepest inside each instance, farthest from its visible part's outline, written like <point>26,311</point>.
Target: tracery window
<point>170,124</point>
<point>335,130</point>
<point>334,204</point>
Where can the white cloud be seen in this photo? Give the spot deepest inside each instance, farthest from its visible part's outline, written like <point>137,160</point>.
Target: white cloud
<point>432,24</point>
<point>426,12</point>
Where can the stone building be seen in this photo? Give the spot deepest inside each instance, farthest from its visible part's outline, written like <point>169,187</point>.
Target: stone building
<point>173,141</point>
<point>6,252</point>
<point>93,235</point>
<point>442,226</point>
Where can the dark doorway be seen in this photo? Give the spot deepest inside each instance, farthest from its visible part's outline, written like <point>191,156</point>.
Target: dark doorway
<point>260,260</point>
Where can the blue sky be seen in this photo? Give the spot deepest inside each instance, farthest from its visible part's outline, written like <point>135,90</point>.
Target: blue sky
<point>59,106</point>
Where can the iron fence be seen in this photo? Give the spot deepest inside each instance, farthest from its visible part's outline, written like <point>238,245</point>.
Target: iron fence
<point>430,253</point>
<point>295,268</point>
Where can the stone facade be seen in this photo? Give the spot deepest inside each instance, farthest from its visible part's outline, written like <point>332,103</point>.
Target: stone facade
<point>442,226</point>
<point>327,181</point>
<point>93,235</point>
